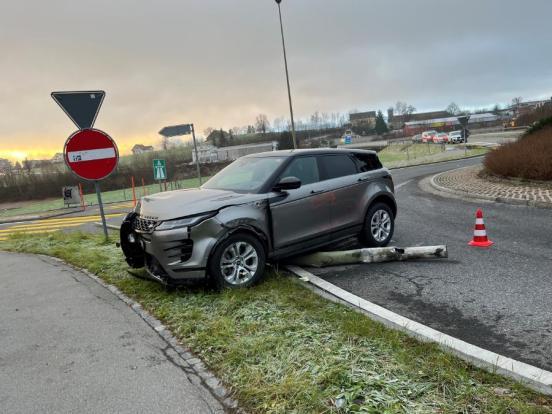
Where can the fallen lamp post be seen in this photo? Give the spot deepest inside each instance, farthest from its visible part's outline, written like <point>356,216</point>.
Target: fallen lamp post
<point>371,255</point>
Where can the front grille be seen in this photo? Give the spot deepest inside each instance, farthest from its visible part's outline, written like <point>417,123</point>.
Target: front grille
<point>144,224</point>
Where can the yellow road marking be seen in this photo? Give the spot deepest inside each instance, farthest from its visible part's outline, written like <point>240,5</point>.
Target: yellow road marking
<point>39,228</point>
<point>76,218</point>
<point>60,223</point>
<point>54,223</point>
<point>127,204</point>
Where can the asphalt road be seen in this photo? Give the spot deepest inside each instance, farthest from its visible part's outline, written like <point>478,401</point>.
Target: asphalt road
<point>498,298</point>
<point>68,345</point>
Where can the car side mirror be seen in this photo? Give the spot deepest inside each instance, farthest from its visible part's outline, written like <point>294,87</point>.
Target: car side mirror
<point>287,183</point>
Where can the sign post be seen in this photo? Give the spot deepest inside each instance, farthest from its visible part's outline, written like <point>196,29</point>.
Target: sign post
<point>159,171</point>
<point>196,154</point>
<point>90,153</point>
<point>184,129</point>
<point>463,120</point>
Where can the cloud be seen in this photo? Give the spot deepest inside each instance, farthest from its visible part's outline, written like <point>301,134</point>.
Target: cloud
<point>218,63</point>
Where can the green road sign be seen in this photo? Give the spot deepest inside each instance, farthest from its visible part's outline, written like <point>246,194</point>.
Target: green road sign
<point>159,170</point>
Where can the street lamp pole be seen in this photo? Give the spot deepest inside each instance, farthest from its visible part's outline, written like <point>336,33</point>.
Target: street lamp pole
<point>287,77</point>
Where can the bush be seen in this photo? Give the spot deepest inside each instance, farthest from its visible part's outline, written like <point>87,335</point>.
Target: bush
<point>538,125</point>
<point>529,158</point>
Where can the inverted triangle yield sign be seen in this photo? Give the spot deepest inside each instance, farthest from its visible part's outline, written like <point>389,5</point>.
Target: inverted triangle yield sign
<point>81,106</point>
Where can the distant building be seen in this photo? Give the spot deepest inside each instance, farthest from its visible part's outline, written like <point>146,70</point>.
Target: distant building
<point>57,159</point>
<point>5,166</point>
<point>398,121</point>
<point>210,153</point>
<point>140,149</point>
<point>363,119</point>
<point>529,106</point>
<point>451,123</point>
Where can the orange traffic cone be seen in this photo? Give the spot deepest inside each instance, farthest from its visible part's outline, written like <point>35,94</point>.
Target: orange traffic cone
<point>480,238</point>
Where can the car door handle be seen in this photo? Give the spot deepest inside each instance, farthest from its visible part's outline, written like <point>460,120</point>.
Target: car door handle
<point>314,191</point>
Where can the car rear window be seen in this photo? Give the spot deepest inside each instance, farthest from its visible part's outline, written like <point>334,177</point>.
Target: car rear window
<point>367,162</point>
<point>334,166</point>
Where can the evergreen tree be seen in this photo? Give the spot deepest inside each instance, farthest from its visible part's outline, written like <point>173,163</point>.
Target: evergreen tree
<point>381,126</point>
<point>222,139</point>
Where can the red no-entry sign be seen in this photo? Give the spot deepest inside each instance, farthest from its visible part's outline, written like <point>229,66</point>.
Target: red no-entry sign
<point>91,154</point>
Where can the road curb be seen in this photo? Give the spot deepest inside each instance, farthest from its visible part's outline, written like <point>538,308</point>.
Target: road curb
<point>195,369</point>
<point>533,377</point>
<point>475,197</point>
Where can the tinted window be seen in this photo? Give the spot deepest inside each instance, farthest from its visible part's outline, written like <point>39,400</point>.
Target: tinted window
<point>367,162</point>
<point>334,166</point>
<point>245,174</point>
<point>304,168</point>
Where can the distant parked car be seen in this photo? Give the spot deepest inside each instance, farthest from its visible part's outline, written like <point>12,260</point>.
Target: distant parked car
<point>417,138</point>
<point>440,138</point>
<point>427,136</point>
<point>455,137</point>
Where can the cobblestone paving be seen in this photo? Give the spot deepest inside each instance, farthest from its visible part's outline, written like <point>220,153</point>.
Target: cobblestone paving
<point>467,180</point>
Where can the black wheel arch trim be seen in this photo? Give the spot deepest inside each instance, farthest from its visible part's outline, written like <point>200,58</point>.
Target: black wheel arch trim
<point>383,197</point>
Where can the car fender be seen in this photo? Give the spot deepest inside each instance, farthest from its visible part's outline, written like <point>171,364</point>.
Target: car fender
<point>379,190</point>
<point>251,218</point>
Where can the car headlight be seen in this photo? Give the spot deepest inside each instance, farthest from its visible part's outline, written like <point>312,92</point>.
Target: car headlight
<point>184,222</point>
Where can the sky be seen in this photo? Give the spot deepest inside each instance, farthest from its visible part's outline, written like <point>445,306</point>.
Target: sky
<point>218,63</point>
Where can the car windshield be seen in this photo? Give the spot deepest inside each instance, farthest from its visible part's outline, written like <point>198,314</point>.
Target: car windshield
<point>245,174</point>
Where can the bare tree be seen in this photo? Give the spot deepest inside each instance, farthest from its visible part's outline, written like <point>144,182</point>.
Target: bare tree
<point>402,108</point>
<point>325,118</point>
<point>261,123</point>
<point>278,124</point>
<point>315,120</point>
<point>27,165</point>
<point>453,109</point>
<point>164,143</point>
<point>207,131</point>
<point>516,102</point>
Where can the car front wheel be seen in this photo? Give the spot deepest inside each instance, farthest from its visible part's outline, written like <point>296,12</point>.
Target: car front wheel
<point>379,225</point>
<point>238,261</point>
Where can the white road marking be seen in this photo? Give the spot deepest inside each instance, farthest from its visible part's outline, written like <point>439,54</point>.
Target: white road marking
<point>401,185</point>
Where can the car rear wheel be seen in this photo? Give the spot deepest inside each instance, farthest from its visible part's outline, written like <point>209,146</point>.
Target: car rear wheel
<point>238,261</point>
<point>379,226</point>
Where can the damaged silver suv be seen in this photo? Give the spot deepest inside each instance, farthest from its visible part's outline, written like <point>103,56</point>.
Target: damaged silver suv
<point>262,207</point>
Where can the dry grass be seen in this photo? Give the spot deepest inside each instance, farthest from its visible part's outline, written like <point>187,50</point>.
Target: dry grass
<point>529,158</point>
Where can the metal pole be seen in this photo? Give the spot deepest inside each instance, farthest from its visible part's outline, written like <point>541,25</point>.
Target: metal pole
<point>465,142</point>
<point>197,156</point>
<point>287,77</point>
<point>99,194</point>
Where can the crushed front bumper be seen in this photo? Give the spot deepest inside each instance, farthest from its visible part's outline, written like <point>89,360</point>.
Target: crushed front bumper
<point>170,256</point>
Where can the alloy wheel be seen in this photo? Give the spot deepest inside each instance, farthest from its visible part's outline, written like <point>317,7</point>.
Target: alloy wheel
<point>239,262</point>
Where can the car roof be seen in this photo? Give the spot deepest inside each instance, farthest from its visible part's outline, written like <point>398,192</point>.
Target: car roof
<point>313,151</point>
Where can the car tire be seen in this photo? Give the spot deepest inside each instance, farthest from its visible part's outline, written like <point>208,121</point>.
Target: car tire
<point>237,262</point>
<point>379,225</point>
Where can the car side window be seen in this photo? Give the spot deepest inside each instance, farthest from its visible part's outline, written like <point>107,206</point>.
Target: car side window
<point>304,168</point>
<point>334,166</point>
<point>367,162</point>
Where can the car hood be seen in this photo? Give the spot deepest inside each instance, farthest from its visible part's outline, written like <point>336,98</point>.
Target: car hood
<point>181,203</point>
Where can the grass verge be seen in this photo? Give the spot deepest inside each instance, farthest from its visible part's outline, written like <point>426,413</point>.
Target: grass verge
<point>91,199</point>
<point>282,349</point>
<point>404,155</point>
